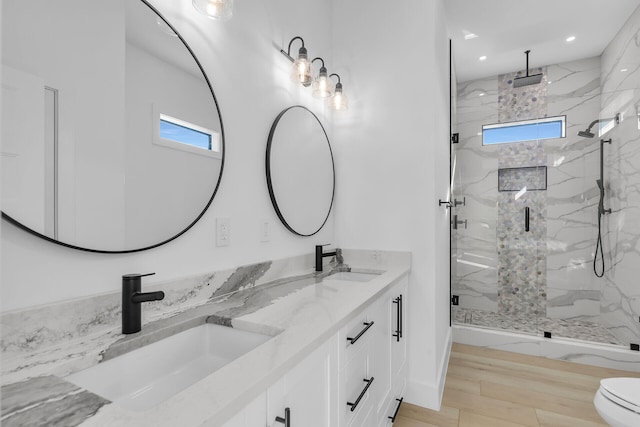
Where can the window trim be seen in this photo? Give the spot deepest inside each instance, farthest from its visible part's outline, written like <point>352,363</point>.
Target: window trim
<point>562,119</point>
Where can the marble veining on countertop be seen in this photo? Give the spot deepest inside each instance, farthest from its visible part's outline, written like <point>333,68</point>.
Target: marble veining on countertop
<point>298,308</point>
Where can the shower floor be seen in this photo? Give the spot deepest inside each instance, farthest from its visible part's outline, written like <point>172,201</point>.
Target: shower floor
<point>566,328</point>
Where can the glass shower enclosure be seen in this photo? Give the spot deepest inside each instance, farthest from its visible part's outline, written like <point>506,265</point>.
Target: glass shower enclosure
<point>531,213</point>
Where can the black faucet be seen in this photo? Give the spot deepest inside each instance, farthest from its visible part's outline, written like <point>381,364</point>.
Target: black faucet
<point>131,299</point>
<point>320,255</point>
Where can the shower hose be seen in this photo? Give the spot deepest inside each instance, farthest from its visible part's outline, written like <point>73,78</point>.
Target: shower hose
<point>599,249</point>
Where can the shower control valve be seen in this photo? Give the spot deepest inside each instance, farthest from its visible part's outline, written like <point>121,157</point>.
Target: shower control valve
<point>457,202</point>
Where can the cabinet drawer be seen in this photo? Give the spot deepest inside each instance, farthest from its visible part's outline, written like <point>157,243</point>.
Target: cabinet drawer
<point>355,335</point>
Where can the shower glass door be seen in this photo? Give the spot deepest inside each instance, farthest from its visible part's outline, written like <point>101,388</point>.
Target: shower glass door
<point>525,230</point>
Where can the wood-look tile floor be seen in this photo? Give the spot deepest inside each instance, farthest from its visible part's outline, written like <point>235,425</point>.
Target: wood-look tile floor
<point>495,388</point>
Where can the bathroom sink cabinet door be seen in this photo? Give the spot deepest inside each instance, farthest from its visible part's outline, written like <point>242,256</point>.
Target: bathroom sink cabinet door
<point>308,390</point>
<point>380,354</point>
<point>398,303</point>
<point>399,347</point>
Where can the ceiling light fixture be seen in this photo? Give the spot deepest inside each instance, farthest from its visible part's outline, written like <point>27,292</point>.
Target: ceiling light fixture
<point>469,36</point>
<point>221,10</point>
<point>482,58</point>
<point>570,39</point>
<point>624,70</point>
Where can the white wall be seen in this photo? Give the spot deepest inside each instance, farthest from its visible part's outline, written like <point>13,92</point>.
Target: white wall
<point>250,78</point>
<point>393,151</point>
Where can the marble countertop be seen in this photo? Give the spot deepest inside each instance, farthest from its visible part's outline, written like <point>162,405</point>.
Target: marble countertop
<point>301,313</point>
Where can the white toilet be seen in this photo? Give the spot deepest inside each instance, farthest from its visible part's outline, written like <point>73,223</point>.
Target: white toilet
<point>618,401</point>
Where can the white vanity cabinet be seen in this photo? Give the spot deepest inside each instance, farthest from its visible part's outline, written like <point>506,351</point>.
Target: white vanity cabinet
<point>355,379</point>
<point>380,358</point>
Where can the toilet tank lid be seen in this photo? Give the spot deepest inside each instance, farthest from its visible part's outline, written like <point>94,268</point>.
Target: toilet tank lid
<point>627,389</point>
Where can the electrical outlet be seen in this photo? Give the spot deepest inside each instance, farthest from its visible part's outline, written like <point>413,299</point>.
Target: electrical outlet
<point>223,231</point>
<point>265,231</point>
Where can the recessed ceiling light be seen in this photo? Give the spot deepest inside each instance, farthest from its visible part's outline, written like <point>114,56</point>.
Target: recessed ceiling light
<point>481,94</point>
<point>624,70</point>
<point>470,36</point>
<point>482,58</point>
<point>571,38</point>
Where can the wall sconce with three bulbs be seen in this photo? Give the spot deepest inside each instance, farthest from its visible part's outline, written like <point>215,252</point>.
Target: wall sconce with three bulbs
<point>321,84</point>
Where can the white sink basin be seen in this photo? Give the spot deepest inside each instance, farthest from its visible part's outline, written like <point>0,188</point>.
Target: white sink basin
<point>147,376</point>
<point>352,276</point>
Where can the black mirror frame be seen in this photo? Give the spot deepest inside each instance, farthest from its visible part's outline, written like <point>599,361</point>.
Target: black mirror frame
<point>268,172</point>
<point>18,224</point>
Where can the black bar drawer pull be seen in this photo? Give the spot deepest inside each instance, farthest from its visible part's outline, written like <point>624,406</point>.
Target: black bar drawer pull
<point>357,337</point>
<point>526,219</point>
<point>398,333</point>
<point>395,414</point>
<point>287,418</point>
<point>354,405</point>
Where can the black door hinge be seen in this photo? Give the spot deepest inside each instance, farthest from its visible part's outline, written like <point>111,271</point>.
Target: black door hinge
<point>455,300</point>
<point>455,138</point>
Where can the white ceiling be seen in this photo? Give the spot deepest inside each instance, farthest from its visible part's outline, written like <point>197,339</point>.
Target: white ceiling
<point>506,28</point>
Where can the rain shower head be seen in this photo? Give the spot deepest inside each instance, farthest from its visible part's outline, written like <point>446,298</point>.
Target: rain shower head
<point>527,80</point>
<point>587,132</point>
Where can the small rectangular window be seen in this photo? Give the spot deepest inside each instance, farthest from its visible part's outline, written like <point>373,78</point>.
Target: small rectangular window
<point>525,130</point>
<point>182,135</point>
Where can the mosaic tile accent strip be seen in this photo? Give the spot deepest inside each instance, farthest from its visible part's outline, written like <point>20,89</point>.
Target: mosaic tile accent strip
<point>522,255</point>
<point>523,103</point>
<point>532,178</point>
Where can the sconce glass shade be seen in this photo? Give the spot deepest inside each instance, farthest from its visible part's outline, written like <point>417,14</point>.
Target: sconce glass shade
<point>301,70</point>
<point>322,85</point>
<point>339,100</point>
<point>221,10</point>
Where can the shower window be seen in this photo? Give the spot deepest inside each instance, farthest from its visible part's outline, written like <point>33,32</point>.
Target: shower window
<point>525,130</point>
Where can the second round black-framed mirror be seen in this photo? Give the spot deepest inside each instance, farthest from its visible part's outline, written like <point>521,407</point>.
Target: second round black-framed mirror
<point>300,170</point>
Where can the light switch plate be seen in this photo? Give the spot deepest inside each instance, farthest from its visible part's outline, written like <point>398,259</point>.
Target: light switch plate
<point>223,231</point>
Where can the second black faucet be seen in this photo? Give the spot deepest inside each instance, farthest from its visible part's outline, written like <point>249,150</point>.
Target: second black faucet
<point>320,254</point>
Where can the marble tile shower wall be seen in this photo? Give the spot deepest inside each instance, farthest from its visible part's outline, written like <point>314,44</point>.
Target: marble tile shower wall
<point>620,299</point>
<point>567,205</point>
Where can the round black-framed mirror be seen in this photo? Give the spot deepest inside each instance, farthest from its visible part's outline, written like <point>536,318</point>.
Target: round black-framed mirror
<point>300,171</point>
<point>148,40</point>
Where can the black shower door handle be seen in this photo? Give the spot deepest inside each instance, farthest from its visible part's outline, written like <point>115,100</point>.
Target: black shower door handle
<point>526,219</point>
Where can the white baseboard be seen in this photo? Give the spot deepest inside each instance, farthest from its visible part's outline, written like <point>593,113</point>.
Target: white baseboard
<point>429,395</point>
